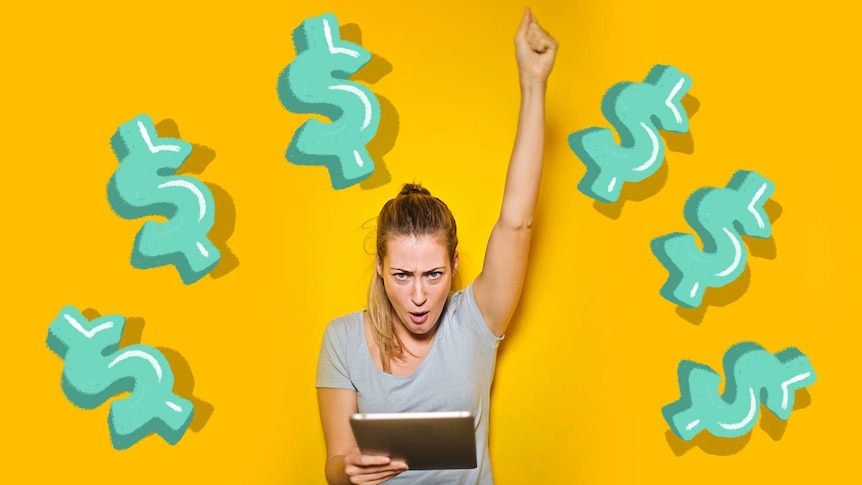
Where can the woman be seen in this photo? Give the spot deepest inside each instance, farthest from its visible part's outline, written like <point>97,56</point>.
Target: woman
<point>417,347</point>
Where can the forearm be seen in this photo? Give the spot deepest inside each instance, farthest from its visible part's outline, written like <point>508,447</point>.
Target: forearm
<point>335,474</point>
<point>525,167</point>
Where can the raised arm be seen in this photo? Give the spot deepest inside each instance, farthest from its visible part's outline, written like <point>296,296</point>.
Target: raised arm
<point>498,286</point>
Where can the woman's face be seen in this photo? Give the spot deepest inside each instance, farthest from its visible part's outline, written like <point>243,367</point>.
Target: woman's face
<point>418,277</point>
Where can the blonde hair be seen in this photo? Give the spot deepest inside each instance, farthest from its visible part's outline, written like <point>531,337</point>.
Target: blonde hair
<point>413,212</point>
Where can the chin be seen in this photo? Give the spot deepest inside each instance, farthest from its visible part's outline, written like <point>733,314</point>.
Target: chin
<point>424,328</point>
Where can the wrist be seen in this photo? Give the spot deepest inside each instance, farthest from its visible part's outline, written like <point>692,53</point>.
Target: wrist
<point>531,85</point>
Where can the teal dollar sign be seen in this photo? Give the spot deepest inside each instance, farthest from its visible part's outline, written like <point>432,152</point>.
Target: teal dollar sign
<point>637,111</point>
<point>719,217</point>
<point>315,82</point>
<point>752,374</point>
<point>95,370</point>
<point>144,184</point>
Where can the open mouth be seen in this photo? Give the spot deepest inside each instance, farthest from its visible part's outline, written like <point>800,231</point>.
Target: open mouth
<point>419,317</point>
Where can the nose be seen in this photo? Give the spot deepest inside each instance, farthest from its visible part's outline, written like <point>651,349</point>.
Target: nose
<point>418,296</point>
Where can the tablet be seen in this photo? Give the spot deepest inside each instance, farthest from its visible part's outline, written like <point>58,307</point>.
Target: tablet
<point>426,441</point>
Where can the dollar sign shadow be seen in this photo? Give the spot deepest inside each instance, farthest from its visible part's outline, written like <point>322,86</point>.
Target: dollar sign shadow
<point>718,297</point>
<point>225,216</point>
<point>390,122</point>
<point>184,379</point>
<point>649,187</point>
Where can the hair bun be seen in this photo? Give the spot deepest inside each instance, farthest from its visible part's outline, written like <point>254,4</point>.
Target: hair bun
<point>408,189</point>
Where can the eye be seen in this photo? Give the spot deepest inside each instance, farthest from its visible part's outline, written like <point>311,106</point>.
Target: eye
<point>400,276</point>
<point>435,275</point>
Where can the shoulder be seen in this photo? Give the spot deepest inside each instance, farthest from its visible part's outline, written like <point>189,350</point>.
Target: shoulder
<point>338,352</point>
<point>464,312</point>
<point>345,327</point>
<point>462,304</point>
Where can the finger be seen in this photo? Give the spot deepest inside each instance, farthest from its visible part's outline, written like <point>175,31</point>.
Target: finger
<point>369,460</point>
<point>353,470</point>
<point>525,23</point>
<point>536,29</point>
<point>539,39</point>
<point>374,478</point>
<point>534,21</point>
<point>536,38</point>
<point>362,470</point>
<point>378,482</point>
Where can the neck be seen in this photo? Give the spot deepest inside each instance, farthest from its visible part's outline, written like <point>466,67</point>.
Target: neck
<point>416,345</point>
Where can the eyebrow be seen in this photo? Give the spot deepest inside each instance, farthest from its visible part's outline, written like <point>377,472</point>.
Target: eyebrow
<point>401,270</point>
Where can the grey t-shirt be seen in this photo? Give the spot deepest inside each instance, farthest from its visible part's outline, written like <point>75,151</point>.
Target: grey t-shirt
<point>456,375</point>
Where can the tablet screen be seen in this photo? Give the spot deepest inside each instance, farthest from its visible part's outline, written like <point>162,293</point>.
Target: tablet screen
<point>426,441</point>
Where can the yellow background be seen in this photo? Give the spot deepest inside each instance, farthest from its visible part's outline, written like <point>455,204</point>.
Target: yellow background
<point>591,356</point>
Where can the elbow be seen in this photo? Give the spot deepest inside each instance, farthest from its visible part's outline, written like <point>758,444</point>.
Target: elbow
<point>516,224</point>
<point>334,471</point>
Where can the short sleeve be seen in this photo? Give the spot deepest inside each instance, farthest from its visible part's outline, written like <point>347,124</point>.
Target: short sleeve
<point>331,363</point>
<point>470,311</point>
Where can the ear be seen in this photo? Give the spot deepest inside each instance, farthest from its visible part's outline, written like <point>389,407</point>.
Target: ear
<point>455,262</point>
<point>379,265</point>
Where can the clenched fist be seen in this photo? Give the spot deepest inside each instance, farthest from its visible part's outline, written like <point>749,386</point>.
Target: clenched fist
<point>535,50</point>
